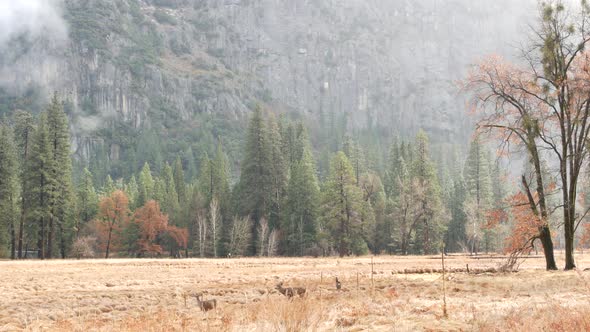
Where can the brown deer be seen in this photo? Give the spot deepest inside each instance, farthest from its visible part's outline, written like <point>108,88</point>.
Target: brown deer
<point>290,291</point>
<point>338,284</point>
<point>205,305</point>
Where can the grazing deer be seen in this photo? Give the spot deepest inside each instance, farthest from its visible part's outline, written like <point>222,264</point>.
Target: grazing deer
<point>338,284</point>
<point>205,305</point>
<point>290,291</point>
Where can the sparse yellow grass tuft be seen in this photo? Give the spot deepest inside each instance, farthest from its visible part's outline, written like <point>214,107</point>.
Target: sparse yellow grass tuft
<point>552,317</point>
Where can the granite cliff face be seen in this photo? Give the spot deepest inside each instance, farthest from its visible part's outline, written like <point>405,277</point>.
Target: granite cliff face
<point>160,64</point>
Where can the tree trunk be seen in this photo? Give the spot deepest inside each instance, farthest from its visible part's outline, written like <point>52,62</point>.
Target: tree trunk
<point>62,242</point>
<point>23,214</point>
<point>109,243</point>
<point>41,240</point>
<point>569,246</point>
<point>12,240</point>
<point>21,230</point>
<point>544,231</point>
<point>342,249</point>
<point>547,242</point>
<point>50,235</point>
<point>426,237</point>
<point>568,231</point>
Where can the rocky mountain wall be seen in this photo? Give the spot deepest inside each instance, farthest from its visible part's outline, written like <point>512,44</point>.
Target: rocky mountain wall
<point>388,64</point>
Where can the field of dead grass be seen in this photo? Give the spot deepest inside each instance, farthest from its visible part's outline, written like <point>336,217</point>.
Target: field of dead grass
<point>149,295</point>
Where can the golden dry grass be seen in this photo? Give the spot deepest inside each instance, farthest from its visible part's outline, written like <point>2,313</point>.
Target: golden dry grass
<point>151,295</point>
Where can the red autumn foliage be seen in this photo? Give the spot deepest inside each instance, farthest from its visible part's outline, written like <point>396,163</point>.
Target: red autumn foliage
<point>526,224</point>
<point>113,216</point>
<point>153,224</point>
<point>179,235</point>
<point>495,217</point>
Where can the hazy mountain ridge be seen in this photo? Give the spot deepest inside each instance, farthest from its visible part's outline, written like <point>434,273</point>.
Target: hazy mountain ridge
<point>157,64</point>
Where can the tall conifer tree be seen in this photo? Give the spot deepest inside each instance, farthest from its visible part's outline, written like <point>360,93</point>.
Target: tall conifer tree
<point>61,219</point>
<point>299,223</point>
<point>41,185</point>
<point>8,189</point>
<point>24,127</point>
<point>255,186</point>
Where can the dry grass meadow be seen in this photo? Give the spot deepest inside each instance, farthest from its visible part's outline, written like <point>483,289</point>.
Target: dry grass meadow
<point>150,295</point>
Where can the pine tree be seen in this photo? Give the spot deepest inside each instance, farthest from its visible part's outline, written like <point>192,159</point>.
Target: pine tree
<point>179,180</point>
<point>214,179</point>
<point>498,234</point>
<point>61,205</point>
<point>188,160</point>
<point>479,193</point>
<point>41,184</point>
<point>145,186</point>
<point>255,186</point>
<point>278,174</point>
<point>24,128</point>
<point>109,186</point>
<point>374,197</point>
<point>132,191</point>
<point>433,224</point>
<point>299,223</point>
<point>456,237</point>
<point>8,188</point>
<point>170,203</point>
<point>343,207</point>
<point>352,150</point>
<point>391,187</point>
<point>159,190</point>
<point>184,217</point>
<point>87,201</point>
<point>288,139</point>
<point>405,206</point>
<point>417,214</point>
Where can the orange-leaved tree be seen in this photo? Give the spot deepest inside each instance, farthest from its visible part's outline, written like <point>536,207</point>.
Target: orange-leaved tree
<point>525,225</point>
<point>113,216</point>
<point>545,106</point>
<point>513,117</point>
<point>179,236</point>
<point>152,225</point>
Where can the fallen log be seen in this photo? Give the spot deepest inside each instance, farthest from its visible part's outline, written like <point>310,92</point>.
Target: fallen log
<point>448,270</point>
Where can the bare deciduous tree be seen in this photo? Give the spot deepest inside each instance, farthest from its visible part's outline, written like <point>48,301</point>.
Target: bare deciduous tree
<point>240,236</point>
<point>273,243</point>
<point>201,222</point>
<point>544,106</point>
<point>262,236</point>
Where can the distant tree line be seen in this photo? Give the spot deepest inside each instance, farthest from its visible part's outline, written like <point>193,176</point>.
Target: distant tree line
<point>279,205</point>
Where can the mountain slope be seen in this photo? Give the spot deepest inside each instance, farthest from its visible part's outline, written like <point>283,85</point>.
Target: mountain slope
<point>188,70</point>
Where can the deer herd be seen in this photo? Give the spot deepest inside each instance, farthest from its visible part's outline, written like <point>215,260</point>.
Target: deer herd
<point>289,292</point>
